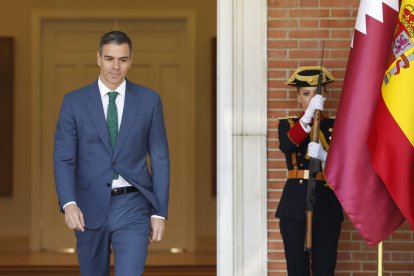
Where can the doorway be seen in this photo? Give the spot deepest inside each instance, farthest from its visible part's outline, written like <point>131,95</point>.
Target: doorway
<point>164,60</point>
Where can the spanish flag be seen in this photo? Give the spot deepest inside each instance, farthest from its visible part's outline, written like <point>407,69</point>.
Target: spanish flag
<point>391,140</point>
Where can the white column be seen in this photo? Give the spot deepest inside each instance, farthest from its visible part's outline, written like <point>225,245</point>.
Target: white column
<point>242,126</point>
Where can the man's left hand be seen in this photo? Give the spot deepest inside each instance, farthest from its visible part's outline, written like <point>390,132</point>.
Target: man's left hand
<point>157,229</point>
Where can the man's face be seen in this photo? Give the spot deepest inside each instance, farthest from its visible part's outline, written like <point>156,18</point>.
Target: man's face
<point>305,94</point>
<point>114,62</point>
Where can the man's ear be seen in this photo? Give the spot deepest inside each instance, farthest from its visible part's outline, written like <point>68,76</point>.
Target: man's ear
<point>98,58</point>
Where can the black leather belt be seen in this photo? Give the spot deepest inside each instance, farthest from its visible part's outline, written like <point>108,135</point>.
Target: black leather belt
<point>123,190</point>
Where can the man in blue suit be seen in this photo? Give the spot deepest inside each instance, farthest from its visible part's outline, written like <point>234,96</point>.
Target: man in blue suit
<point>104,134</point>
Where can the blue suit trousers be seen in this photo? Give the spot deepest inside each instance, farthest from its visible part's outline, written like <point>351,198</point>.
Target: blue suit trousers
<point>125,230</point>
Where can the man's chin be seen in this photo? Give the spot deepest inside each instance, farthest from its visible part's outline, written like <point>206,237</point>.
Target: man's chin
<point>115,81</point>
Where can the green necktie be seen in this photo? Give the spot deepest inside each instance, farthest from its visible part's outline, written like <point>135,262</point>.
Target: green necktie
<point>112,122</point>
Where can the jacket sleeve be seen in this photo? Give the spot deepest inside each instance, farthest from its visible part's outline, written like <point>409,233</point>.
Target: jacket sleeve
<point>159,160</point>
<point>64,155</point>
<point>290,137</point>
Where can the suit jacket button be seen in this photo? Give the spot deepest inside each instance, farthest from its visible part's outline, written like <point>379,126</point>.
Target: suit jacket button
<point>108,184</point>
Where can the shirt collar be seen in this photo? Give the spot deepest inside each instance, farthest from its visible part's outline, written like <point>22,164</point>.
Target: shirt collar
<point>103,89</point>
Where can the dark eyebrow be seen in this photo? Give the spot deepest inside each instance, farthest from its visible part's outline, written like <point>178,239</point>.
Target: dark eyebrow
<point>106,56</point>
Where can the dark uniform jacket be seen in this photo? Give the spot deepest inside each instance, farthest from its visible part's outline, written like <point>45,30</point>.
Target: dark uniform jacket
<point>294,143</point>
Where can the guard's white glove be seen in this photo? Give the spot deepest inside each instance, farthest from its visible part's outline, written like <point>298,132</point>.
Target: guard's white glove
<point>315,103</point>
<point>315,150</point>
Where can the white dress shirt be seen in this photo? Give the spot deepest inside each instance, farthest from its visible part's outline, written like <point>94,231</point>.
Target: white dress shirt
<point>119,101</point>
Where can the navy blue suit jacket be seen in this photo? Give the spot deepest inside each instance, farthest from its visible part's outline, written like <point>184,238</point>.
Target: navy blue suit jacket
<point>84,162</point>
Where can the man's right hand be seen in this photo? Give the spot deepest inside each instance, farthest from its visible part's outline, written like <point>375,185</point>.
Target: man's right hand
<point>74,217</point>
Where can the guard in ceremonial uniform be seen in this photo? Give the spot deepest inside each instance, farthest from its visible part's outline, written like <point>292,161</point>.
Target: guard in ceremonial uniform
<point>295,143</point>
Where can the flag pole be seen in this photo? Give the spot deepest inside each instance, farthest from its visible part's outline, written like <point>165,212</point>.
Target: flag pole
<point>380,258</point>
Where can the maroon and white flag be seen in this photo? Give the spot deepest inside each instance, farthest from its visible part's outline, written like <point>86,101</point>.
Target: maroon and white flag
<point>349,172</point>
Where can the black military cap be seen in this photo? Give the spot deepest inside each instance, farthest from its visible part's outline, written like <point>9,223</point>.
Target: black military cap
<point>308,76</point>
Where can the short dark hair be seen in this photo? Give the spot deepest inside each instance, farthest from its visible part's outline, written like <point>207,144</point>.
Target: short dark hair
<point>116,37</point>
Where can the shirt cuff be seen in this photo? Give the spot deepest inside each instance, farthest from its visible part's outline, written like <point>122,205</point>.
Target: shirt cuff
<point>155,216</point>
<point>69,203</point>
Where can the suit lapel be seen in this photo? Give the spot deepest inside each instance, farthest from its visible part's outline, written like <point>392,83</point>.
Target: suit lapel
<point>131,107</point>
<point>98,116</point>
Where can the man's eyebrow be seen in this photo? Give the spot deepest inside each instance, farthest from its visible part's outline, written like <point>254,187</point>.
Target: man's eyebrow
<point>107,56</point>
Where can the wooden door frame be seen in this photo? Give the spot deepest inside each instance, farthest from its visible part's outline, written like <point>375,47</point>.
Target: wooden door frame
<point>37,19</point>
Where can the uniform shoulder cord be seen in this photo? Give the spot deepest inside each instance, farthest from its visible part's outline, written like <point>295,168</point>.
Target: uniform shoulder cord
<point>322,140</point>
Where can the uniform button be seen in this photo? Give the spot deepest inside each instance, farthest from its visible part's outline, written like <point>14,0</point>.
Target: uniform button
<point>113,162</point>
<point>299,154</point>
<point>108,184</point>
<point>300,165</point>
<point>301,181</point>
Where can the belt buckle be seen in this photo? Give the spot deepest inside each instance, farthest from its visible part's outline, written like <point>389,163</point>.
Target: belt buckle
<point>306,174</point>
<point>117,191</point>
